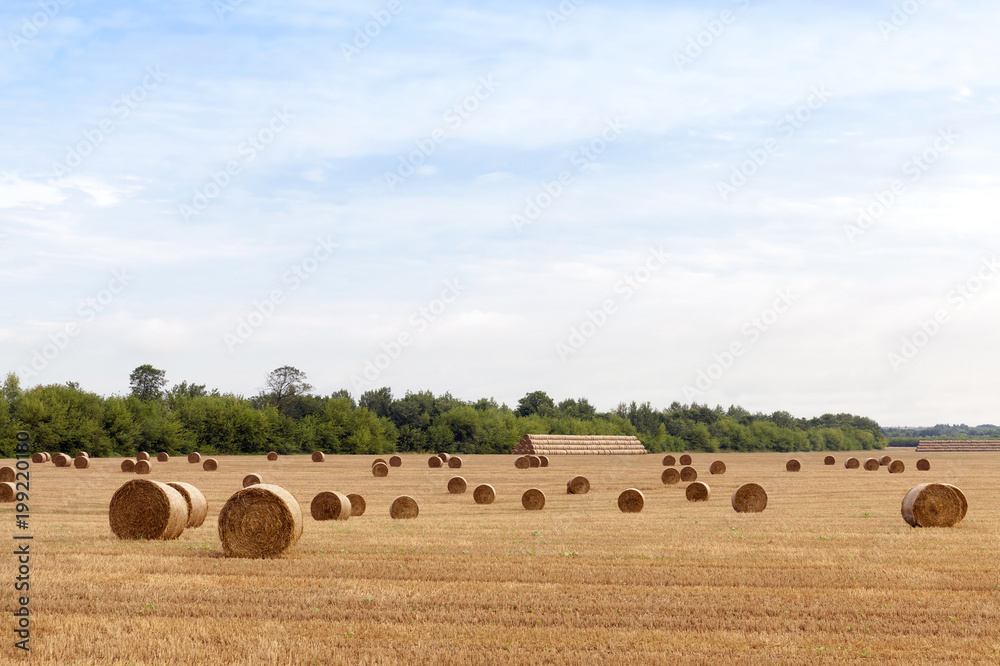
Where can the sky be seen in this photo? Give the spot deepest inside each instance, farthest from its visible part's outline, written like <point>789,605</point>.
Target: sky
<point>779,205</point>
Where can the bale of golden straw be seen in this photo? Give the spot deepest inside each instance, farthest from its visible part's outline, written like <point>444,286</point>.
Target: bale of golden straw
<point>358,504</point>
<point>7,491</point>
<point>455,462</point>
<point>923,464</point>
<point>669,461</point>
<point>260,521</point>
<point>631,501</point>
<point>38,458</point>
<point>210,465</point>
<point>522,463</point>
<point>379,460</point>
<point>718,467</point>
<point>444,457</point>
<point>143,467</point>
<point>128,465</point>
<point>395,461</point>
<point>143,509</point>
<point>434,462</point>
<point>48,456</point>
<point>579,485</point>
<point>272,455</point>
<point>961,498</point>
<point>197,505</point>
<point>829,460</point>
<point>330,506</point>
<point>7,474</point>
<point>931,505</point>
<point>403,507</point>
<point>884,460</point>
<point>61,460</point>
<point>896,467</point>
<point>380,470</point>
<point>252,480</point>
<point>533,499</point>
<point>81,462</point>
<point>871,464</point>
<point>685,459</point>
<point>162,457</point>
<point>749,498</point>
<point>194,457</point>
<point>318,456</point>
<point>533,461</point>
<point>82,454</point>
<point>142,455</point>
<point>697,492</point>
<point>670,476</point>
<point>793,465</point>
<point>689,474</point>
<point>484,494</point>
<point>544,460</point>
<point>456,485</point>
<point>852,463</point>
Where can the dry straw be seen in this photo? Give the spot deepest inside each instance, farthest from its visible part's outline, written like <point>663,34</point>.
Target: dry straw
<point>162,457</point>
<point>142,456</point>
<point>318,456</point>
<point>272,455</point>
<point>669,461</point>
<point>48,456</point>
<point>128,465</point>
<point>884,460</point>
<point>896,467</point>
<point>522,463</point>
<point>404,507</point>
<point>697,492</point>
<point>533,499</point>
<point>718,467</point>
<point>83,454</point>
<point>444,457</point>
<point>961,498</point>
<point>379,460</point>
<point>829,460</point>
<point>631,501</point>
<point>544,460</point>
<point>7,491</point>
<point>358,505</point>
<point>210,465</point>
<point>455,462</point>
<point>7,474</point>
<point>923,464</point>
<point>38,458</point>
<point>533,461</point>
<point>61,460</point>
<point>252,480</point>
<point>456,485</point>
<point>793,465</point>
<point>143,467</point>
<point>434,462</point>
<point>932,505</point>
<point>670,476</point>
<point>484,494</point>
<point>852,463</point>
<point>197,505</point>
<point>578,485</point>
<point>749,498</point>
<point>194,457</point>
<point>143,509</point>
<point>330,506</point>
<point>688,474</point>
<point>260,521</point>
<point>871,464</point>
<point>81,462</point>
<point>380,470</point>
<point>685,459</point>
<point>395,461</point>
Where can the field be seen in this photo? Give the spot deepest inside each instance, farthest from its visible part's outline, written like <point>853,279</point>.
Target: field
<point>829,572</point>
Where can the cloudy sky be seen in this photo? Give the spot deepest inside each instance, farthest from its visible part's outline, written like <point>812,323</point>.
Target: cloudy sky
<point>783,205</point>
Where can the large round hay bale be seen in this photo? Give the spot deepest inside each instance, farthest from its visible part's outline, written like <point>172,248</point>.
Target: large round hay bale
<point>793,465</point>
<point>718,467</point>
<point>829,460</point>
<point>670,476</point>
<point>318,456</point>
<point>404,507</point>
<point>210,465</point>
<point>330,506</point>
<point>689,474</point>
<point>81,462</point>
<point>456,485</point>
<point>272,455</point>
<point>749,498</point>
<point>884,460</point>
<point>669,461</point>
<point>685,459</point>
<point>379,460</point>
<point>143,467</point>
<point>533,461</point>
<point>142,455</point>
<point>533,499</point>
<point>260,521</point>
<point>522,462</point>
<point>631,501</point>
<point>162,457</point>
<point>896,467</point>
<point>197,505</point>
<point>455,462</point>
<point>395,461</point>
<point>484,494</point>
<point>380,470</point>
<point>852,463</point>
<point>434,462</point>
<point>871,464</point>
<point>82,453</point>
<point>7,491</point>
<point>194,457</point>
<point>143,509</point>
<point>38,458</point>
<point>923,464</point>
<point>358,504</point>
<point>62,460</point>
<point>544,460</point>
<point>252,480</point>
<point>931,505</point>
<point>697,492</point>
<point>444,457</point>
<point>48,456</point>
<point>7,474</point>
<point>961,498</point>
<point>579,485</point>
<point>128,465</point>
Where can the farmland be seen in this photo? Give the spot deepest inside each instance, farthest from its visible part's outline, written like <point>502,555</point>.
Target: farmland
<point>828,571</point>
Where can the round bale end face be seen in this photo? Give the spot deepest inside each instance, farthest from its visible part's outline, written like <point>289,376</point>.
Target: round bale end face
<point>533,499</point>
<point>8,492</point>
<point>669,461</point>
<point>330,506</point>
<point>749,498</point>
<point>522,462</point>
<point>544,460</point>
<point>923,465</point>
<point>318,456</point>
<point>197,505</point>
<point>689,474</point>
<point>144,509</point>
<point>533,461</point>
<point>404,507</point>
<point>896,467</point>
<point>852,463</point>
<point>455,462</point>
<point>884,460</point>
<point>717,467</point>
<point>484,494</point>
<point>685,459</point>
<point>162,456</point>
<point>871,464</point>
<point>143,467</point>
<point>128,466</point>
<point>261,521</point>
<point>697,492</point>
<point>670,476</point>
<point>272,456</point>
<point>7,474</point>
<point>194,457</point>
<point>631,501</point>
<point>358,505</point>
<point>395,461</point>
<point>829,460</point>
<point>142,456</point>
<point>434,462</point>
<point>380,470</point>
<point>210,465</point>
<point>793,465</point>
<point>457,485</point>
<point>81,462</point>
<point>252,480</point>
<point>579,485</point>
<point>932,505</point>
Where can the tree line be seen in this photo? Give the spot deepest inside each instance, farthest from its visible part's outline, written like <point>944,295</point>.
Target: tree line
<point>288,418</point>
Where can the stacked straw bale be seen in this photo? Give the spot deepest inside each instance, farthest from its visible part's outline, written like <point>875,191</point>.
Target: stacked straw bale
<point>579,445</point>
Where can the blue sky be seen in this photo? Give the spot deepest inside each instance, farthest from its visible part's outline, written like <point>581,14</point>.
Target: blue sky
<point>594,199</point>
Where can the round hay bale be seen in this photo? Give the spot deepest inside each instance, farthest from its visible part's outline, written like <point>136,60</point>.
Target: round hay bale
<point>143,509</point>
<point>670,476</point>
<point>631,501</point>
<point>718,467</point>
<point>852,463</point>
<point>82,454</point>
<point>434,462</point>
<point>579,485</point>
<point>697,492</point>
<point>484,494</point>
<point>318,456</point>
<point>689,474</point>
<point>923,464</point>
<point>884,460</point>
<point>142,455</point>
<point>128,465</point>
<point>38,458</point>
<point>522,463</point>
<point>829,460</point>
<point>669,461</point>
<point>260,521</point>
<point>444,457</point>
<point>456,485</point>
<point>210,465</point>
<point>272,455</point>
<point>7,474</point>
<point>162,457</point>
<point>61,460</point>
<point>7,491</point>
<point>379,460</point>
<point>931,505</point>
<point>404,507</point>
<point>749,498</point>
<point>961,498</point>
<point>81,462</point>
<point>533,499</point>
<point>871,464</point>
<point>896,467</point>
<point>544,460</point>
<point>455,462</point>
<point>380,470</point>
<point>194,457</point>
<point>143,467</point>
<point>252,480</point>
<point>48,456</point>
<point>533,461</point>
<point>685,459</point>
<point>395,461</point>
<point>197,505</point>
<point>331,506</point>
<point>793,465</point>
<point>358,505</point>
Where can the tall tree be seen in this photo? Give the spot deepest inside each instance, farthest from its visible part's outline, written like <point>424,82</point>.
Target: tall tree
<point>147,382</point>
<point>377,401</point>
<point>286,382</point>
<point>536,402</point>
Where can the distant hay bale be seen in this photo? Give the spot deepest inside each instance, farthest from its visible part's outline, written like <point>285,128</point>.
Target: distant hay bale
<point>884,460</point>
<point>358,505</point>
<point>38,458</point>
<point>689,474</point>
<point>194,457</point>
<point>544,460</point>
<point>128,465</point>
<point>143,509</point>
<point>210,465</point>
<point>484,494</point>
<point>395,461</point>
<point>685,459</point>
<point>434,462</point>
<point>82,454</point>
<point>456,485</point>
<point>579,485</point>
<point>7,474</point>
<point>260,521</point>
<point>697,492</point>
<point>48,456</point>
<point>829,460</point>
<point>81,462</point>
<point>793,465</point>
<point>143,467</point>
<point>533,499</point>
<point>455,462</point>
<point>331,506</point>
<point>7,491</point>
<point>533,461</point>
<point>631,501</point>
<point>961,498</point>
<point>162,456</point>
<point>444,457</point>
<point>380,470</point>
<point>718,467</point>
<point>669,461</point>
<point>142,455</point>
<point>923,464</point>
<point>197,505</point>
<point>318,456</point>
<point>404,507</point>
<point>871,464</point>
<point>61,460</point>
<point>379,460</point>
<point>670,476</point>
<point>522,462</point>
<point>272,455</point>
<point>896,467</point>
<point>852,463</point>
<point>749,498</point>
<point>252,480</point>
<point>932,505</point>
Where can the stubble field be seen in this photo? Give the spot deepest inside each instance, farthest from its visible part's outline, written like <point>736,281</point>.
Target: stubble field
<point>828,572</point>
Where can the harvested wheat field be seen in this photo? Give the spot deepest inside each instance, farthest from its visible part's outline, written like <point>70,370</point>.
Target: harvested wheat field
<point>829,571</point>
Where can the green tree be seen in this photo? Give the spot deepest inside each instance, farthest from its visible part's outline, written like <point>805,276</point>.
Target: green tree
<point>284,383</point>
<point>147,382</point>
<point>536,402</point>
